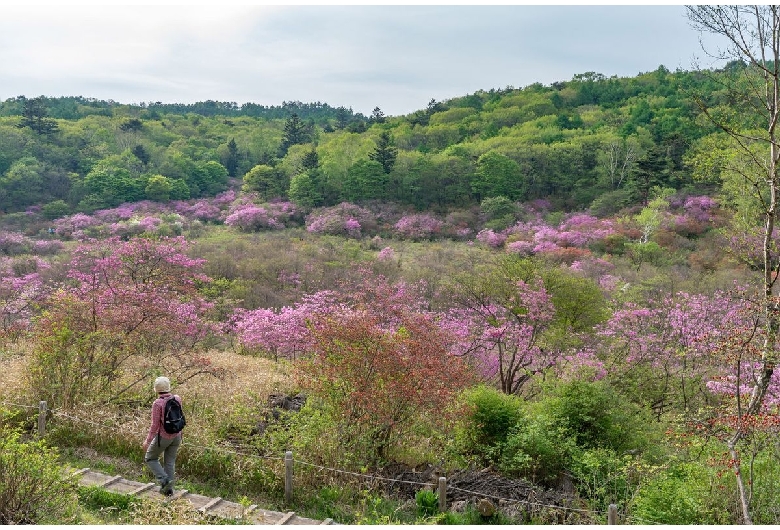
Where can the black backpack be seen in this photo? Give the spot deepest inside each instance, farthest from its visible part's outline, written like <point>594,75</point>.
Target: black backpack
<point>173,416</point>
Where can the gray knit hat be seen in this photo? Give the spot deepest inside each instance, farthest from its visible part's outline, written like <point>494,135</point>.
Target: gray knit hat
<point>162,384</point>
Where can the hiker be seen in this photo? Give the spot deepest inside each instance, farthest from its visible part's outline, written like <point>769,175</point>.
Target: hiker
<point>161,441</point>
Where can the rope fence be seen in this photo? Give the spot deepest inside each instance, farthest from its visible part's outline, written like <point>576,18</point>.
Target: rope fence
<point>18,405</point>
<point>443,487</point>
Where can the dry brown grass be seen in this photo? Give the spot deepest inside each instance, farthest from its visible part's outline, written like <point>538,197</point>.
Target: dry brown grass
<point>13,364</point>
<point>245,386</point>
<point>210,402</point>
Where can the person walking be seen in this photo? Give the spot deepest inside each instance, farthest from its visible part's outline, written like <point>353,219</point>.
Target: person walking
<point>159,442</point>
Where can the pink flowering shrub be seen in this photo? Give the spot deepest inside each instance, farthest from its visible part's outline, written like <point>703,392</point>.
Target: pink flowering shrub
<point>202,211</point>
<point>523,248</point>
<point>69,227</point>
<point>352,227</point>
<point>250,217</point>
<point>46,247</point>
<point>345,219</point>
<point>418,227</point>
<point>386,254</point>
<point>21,288</point>
<point>14,243</point>
<point>123,212</point>
<point>289,279</point>
<point>491,238</point>
<point>287,332</point>
<point>700,208</point>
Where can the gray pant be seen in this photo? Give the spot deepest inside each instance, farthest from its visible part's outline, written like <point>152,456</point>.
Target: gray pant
<point>168,447</point>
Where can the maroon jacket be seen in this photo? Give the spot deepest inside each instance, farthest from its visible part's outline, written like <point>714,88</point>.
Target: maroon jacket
<point>158,407</point>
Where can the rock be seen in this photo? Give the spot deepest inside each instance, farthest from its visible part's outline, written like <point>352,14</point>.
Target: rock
<point>486,508</point>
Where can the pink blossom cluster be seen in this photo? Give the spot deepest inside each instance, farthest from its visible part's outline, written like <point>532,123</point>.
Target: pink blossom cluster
<point>252,218</point>
<point>352,227</point>
<point>14,243</point>
<point>700,207</point>
<point>502,336</point>
<point>491,238</point>
<point>593,268</point>
<point>288,332</point>
<point>202,210</point>
<point>21,288</point>
<point>345,219</point>
<point>386,254</point>
<point>123,212</point>
<point>677,337</point>
<point>141,286</point>
<point>282,333</point>
<point>73,226</point>
<point>578,231</point>
<point>729,385</point>
<point>418,226</point>
<point>46,247</point>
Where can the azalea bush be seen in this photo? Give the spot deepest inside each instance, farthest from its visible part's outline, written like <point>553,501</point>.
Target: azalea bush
<point>131,307</point>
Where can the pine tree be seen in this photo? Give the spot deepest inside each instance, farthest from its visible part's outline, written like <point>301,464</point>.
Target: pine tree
<point>295,132</point>
<point>385,152</point>
<point>231,160</point>
<point>34,116</point>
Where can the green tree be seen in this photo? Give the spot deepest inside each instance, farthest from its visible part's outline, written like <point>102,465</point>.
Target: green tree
<point>651,170</point>
<point>34,116</point>
<point>231,158</point>
<point>141,154</point>
<point>377,116</point>
<point>267,181</point>
<point>158,188</point>
<point>310,160</point>
<point>304,190</point>
<point>499,212</point>
<point>22,185</point>
<point>34,489</point>
<point>365,180</point>
<point>295,132</point>
<point>753,40</point>
<point>385,152</point>
<point>498,174</point>
<point>55,209</point>
<point>208,178</point>
<point>112,184</point>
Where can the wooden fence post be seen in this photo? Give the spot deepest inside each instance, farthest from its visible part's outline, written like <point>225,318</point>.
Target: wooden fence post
<point>41,418</point>
<point>442,494</point>
<point>288,477</point>
<point>612,514</point>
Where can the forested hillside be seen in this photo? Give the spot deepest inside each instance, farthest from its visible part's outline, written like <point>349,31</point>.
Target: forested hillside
<point>560,292</point>
<point>608,140</point>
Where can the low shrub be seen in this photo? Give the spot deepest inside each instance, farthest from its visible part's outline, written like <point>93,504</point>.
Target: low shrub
<point>33,487</point>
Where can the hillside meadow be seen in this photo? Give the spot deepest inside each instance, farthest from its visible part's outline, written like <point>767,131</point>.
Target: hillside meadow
<point>561,353</point>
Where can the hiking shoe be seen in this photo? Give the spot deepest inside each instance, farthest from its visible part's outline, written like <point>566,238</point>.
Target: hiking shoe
<point>167,488</point>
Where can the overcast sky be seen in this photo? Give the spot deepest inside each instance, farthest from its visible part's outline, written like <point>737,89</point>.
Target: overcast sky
<point>396,57</point>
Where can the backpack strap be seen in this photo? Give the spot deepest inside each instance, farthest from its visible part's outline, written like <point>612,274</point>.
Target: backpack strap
<point>162,420</point>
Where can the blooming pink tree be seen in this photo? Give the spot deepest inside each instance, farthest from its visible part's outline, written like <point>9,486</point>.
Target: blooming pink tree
<point>286,332</point>
<point>132,308</point>
<point>502,332</point>
<point>665,347</point>
<point>20,292</point>
<point>282,333</point>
